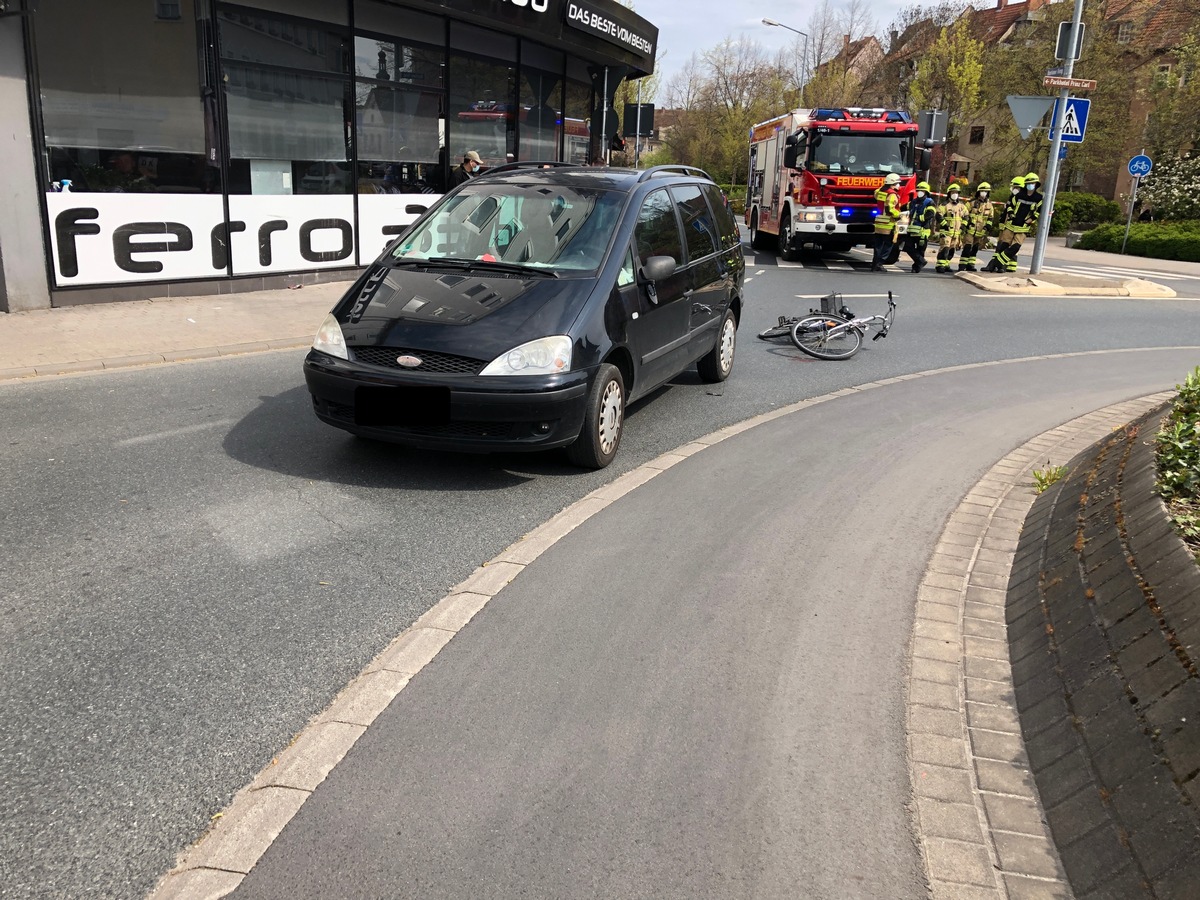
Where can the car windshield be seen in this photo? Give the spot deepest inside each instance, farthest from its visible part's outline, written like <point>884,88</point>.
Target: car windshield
<point>862,154</point>
<point>538,225</point>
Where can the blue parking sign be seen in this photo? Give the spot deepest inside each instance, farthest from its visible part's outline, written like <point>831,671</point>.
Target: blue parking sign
<point>1074,120</point>
<point>1140,166</point>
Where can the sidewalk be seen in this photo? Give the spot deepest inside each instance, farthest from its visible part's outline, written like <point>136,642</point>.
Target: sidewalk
<point>144,332</point>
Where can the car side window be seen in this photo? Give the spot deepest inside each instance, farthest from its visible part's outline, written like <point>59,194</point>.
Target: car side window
<point>726,226</point>
<point>699,229</point>
<point>657,231</point>
<point>625,276</point>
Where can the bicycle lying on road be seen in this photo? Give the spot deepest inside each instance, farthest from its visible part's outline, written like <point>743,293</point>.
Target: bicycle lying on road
<point>833,332</point>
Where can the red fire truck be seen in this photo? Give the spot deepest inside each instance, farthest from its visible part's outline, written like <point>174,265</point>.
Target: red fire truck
<point>814,173</point>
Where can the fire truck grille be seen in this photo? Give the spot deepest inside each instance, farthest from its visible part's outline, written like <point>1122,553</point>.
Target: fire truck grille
<point>853,195</point>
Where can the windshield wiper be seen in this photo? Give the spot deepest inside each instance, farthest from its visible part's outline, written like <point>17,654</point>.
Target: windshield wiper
<point>454,262</point>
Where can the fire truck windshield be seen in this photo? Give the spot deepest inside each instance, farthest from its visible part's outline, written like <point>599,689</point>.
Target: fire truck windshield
<point>862,154</point>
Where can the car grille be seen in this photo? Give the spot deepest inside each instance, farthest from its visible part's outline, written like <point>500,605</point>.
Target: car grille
<point>444,363</point>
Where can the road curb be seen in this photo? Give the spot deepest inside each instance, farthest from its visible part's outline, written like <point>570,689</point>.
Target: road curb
<point>978,811</point>
<point>1075,286</point>
<point>91,366</point>
<point>215,865</point>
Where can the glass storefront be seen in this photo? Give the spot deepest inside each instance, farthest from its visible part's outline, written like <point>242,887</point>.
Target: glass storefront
<point>293,134</point>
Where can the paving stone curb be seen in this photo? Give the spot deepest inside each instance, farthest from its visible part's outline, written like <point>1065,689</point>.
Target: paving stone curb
<point>1104,644</point>
<point>1068,286</point>
<point>980,817</point>
<point>216,864</point>
<point>149,359</point>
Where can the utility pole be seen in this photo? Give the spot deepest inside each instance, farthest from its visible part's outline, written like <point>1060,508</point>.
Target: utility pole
<point>1060,111</point>
<point>637,137</point>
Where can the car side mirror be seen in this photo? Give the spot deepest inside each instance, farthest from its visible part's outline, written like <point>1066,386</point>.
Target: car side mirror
<point>656,268</point>
<point>924,159</point>
<point>415,209</point>
<point>790,155</point>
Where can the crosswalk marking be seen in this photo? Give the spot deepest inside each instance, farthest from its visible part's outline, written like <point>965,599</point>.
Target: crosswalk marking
<point>1116,270</point>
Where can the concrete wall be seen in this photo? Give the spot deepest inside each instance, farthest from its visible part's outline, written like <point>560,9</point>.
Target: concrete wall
<point>22,252</point>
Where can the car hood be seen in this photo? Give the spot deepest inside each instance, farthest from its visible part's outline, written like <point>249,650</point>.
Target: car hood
<point>476,314</point>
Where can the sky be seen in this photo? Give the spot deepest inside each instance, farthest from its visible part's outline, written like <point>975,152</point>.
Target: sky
<point>692,26</point>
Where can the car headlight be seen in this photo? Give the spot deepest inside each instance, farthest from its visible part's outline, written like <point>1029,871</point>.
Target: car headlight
<point>812,216</point>
<point>330,340</point>
<point>545,356</point>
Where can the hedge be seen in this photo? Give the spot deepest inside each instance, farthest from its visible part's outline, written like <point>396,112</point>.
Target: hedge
<point>1071,208</point>
<point>1157,240</point>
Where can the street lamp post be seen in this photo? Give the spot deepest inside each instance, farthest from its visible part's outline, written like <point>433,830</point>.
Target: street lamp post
<point>804,67</point>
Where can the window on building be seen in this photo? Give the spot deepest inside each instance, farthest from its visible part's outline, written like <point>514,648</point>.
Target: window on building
<point>286,98</point>
<point>482,99</point>
<point>165,9</point>
<point>110,125</point>
<point>976,135</point>
<point>541,101</point>
<point>1124,32</point>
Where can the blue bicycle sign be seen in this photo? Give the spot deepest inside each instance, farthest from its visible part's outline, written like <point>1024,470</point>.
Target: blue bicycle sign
<point>1140,166</point>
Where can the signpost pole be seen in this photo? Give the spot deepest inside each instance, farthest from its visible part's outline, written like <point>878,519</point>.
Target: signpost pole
<point>1060,111</point>
<point>637,137</point>
<point>1133,197</point>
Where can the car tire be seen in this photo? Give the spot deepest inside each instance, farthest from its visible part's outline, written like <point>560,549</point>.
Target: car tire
<point>603,421</point>
<point>717,363</point>
<point>785,250</point>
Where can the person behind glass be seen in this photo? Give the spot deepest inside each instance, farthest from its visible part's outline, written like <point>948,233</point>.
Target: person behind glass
<point>463,171</point>
<point>888,198</point>
<point>921,212</point>
<point>128,175</point>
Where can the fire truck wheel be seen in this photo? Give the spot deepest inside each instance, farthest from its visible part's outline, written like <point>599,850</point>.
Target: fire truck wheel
<point>786,251</point>
<point>758,240</point>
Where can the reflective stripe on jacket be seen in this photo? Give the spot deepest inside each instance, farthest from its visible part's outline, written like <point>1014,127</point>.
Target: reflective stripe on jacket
<point>921,211</point>
<point>979,219</point>
<point>952,217</point>
<point>889,210</point>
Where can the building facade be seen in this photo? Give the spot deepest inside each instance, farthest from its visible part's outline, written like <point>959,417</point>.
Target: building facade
<point>196,146</point>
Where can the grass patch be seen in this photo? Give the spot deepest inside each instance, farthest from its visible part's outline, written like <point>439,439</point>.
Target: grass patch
<point>1043,478</point>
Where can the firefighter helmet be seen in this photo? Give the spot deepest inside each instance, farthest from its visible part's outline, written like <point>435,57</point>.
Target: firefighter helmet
<point>1032,178</point>
<point>1019,181</point>
<point>953,189</point>
<point>891,179</point>
<point>923,186</point>
<point>983,186</point>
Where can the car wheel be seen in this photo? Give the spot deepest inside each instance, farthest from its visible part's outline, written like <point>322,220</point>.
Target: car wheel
<point>717,363</point>
<point>603,421</point>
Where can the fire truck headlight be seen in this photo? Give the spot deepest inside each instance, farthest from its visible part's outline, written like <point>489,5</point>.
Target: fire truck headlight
<point>824,182</point>
<point>812,217</point>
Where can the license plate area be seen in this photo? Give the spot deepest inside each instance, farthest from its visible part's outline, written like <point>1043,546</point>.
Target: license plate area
<point>400,405</point>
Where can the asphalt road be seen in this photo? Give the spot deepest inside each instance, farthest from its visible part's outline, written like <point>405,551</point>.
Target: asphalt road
<point>700,692</point>
<point>194,565</point>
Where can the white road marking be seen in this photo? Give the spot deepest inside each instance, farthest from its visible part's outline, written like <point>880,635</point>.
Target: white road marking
<point>174,432</point>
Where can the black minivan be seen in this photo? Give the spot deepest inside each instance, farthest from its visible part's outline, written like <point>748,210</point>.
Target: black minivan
<point>528,306</point>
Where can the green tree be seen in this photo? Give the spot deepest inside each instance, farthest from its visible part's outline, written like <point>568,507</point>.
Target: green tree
<point>948,75</point>
<point>1173,125</point>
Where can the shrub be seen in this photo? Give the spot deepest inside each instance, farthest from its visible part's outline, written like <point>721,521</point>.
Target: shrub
<point>1177,459</point>
<point>1170,188</point>
<point>1157,240</point>
<point>1078,208</point>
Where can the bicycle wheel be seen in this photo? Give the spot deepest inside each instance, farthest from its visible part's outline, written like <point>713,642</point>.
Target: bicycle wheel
<point>779,331</point>
<point>826,337</point>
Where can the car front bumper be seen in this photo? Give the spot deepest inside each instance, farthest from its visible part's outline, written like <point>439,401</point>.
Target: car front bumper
<point>483,413</point>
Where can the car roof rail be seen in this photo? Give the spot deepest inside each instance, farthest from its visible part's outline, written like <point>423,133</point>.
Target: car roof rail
<point>656,171</point>
<point>530,164</point>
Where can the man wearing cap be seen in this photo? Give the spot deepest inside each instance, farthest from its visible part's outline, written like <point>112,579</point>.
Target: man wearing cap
<point>463,171</point>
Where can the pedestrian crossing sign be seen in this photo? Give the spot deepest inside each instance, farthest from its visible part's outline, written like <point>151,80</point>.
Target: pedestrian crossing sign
<point>1074,120</point>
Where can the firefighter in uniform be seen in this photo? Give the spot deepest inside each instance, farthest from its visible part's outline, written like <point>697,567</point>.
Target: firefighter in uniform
<point>980,213</point>
<point>888,198</point>
<point>921,213</point>
<point>1007,235</point>
<point>952,222</point>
